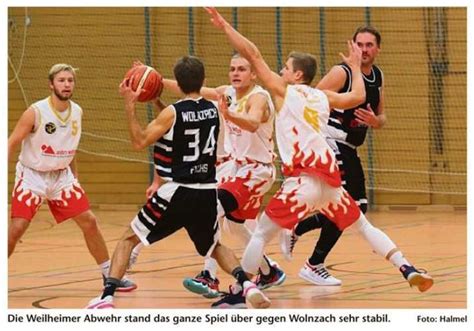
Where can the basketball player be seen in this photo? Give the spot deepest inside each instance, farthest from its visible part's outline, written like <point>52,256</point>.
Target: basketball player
<point>185,138</point>
<point>245,171</point>
<point>312,180</point>
<point>347,130</point>
<point>49,131</point>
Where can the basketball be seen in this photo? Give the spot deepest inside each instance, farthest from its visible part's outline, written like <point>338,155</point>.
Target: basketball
<point>148,79</point>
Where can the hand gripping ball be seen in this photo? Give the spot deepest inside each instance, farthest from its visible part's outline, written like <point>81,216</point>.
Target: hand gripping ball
<point>148,79</point>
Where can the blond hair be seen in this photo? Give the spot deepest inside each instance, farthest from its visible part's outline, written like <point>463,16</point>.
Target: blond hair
<point>57,68</point>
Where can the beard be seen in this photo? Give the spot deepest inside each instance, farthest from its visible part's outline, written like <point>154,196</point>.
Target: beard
<point>60,96</point>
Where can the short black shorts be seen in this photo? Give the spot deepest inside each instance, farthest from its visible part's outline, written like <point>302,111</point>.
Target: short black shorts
<point>352,174</point>
<point>173,207</point>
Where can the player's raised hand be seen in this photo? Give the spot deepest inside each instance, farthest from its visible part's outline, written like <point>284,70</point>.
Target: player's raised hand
<point>125,90</point>
<point>355,55</point>
<point>216,17</point>
<point>137,63</point>
<point>223,106</point>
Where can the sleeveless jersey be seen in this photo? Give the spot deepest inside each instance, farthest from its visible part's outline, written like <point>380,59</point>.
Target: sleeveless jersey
<point>187,152</point>
<point>342,123</point>
<point>53,143</point>
<point>301,129</point>
<point>244,145</point>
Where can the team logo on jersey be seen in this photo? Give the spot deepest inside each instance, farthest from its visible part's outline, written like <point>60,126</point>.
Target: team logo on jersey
<point>311,117</point>
<point>50,128</point>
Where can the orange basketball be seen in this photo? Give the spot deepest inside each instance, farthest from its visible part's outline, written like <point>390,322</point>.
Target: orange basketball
<point>148,79</point>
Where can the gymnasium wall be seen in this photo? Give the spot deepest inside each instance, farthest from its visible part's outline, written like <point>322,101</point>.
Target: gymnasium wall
<point>418,158</point>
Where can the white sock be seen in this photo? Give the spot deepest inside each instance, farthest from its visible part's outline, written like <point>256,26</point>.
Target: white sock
<point>265,231</point>
<point>136,250</point>
<point>210,264</point>
<point>397,259</point>
<point>105,268</point>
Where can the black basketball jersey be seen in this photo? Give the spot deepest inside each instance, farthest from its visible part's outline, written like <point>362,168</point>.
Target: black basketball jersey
<point>187,152</point>
<point>345,120</point>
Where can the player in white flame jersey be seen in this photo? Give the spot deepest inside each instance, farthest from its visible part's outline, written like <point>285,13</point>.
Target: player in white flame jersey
<point>313,181</point>
<point>49,131</point>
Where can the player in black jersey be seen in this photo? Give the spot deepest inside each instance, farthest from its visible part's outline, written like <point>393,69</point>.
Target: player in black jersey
<point>184,136</point>
<point>347,130</point>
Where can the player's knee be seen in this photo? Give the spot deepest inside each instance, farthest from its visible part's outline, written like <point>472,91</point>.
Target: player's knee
<point>204,250</point>
<point>14,234</point>
<point>131,237</point>
<point>227,200</point>
<point>17,229</point>
<point>362,225</point>
<point>363,207</point>
<point>88,224</point>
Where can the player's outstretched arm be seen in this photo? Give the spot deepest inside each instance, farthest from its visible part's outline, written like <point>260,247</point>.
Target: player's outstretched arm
<point>271,80</point>
<point>357,95</point>
<point>209,93</point>
<point>172,86</point>
<point>250,119</point>
<point>334,80</point>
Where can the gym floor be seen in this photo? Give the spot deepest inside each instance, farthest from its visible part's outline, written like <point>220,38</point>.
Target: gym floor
<point>51,267</point>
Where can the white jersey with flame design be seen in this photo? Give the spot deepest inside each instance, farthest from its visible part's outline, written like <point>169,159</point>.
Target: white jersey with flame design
<point>301,129</point>
<point>244,145</point>
<point>53,143</point>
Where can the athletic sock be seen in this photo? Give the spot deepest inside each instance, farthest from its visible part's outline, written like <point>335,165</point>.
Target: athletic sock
<point>397,258</point>
<point>136,250</point>
<point>240,275</point>
<point>105,268</point>
<point>111,285</point>
<point>210,264</point>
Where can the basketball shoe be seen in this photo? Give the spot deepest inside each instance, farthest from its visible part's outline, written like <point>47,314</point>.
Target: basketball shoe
<point>126,285</point>
<point>276,277</point>
<point>238,297</point>
<point>318,275</point>
<point>418,278</point>
<point>99,303</point>
<point>203,284</point>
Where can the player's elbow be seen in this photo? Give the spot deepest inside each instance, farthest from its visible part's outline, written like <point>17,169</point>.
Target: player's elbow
<point>252,128</point>
<point>252,54</point>
<point>138,145</point>
<point>255,56</point>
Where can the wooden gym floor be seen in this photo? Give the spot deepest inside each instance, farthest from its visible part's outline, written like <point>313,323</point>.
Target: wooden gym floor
<point>51,267</point>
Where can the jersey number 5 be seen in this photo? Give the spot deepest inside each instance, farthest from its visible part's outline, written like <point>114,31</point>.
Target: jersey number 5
<point>75,127</point>
<point>209,147</point>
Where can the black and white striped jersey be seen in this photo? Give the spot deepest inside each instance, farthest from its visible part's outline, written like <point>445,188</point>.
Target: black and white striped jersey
<point>187,152</point>
<point>342,124</point>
